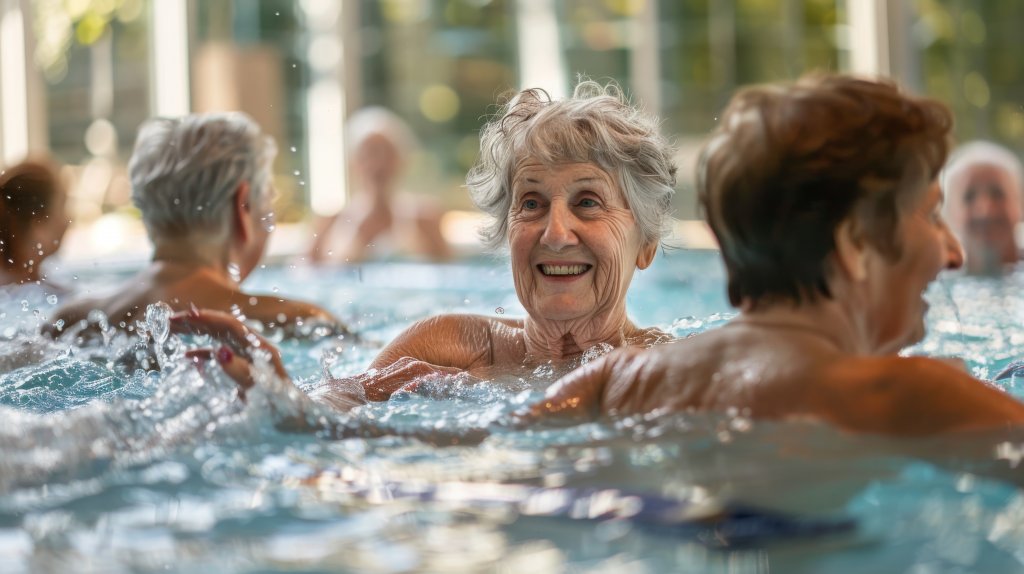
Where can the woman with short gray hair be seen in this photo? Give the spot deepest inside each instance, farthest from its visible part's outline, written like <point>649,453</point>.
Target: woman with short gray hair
<point>203,186</point>
<point>596,125</point>
<point>579,190</point>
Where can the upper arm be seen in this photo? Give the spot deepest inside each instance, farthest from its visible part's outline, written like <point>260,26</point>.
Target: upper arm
<point>272,310</point>
<point>584,392</point>
<point>458,341</point>
<point>916,396</point>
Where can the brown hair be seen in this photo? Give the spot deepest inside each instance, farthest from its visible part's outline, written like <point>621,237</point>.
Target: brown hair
<point>788,164</point>
<point>27,194</point>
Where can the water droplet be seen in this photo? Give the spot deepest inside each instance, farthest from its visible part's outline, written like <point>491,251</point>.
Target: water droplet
<point>253,300</point>
<point>158,321</point>
<point>234,272</point>
<point>297,172</point>
<point>51,299</point>
<point>293,148</point>
<point>500,310</point>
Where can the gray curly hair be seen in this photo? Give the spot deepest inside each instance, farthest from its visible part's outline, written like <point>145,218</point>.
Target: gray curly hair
<point>184,171</point>
<point>596,125</point>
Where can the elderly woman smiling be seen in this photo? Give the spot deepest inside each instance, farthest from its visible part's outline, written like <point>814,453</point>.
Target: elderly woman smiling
<point>580,192</point>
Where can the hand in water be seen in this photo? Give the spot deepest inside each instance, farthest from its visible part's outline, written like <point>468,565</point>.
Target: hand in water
<point>238,344</point>
<point>406,374</point>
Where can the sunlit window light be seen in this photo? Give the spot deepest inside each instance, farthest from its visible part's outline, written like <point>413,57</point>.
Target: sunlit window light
<point>13,89</point>
<point>325,101</point>
<point>868,41</point>
<point>170,58</point>
<point>541,62</point>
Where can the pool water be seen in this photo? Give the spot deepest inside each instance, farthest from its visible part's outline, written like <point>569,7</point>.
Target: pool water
<point>104,468</point>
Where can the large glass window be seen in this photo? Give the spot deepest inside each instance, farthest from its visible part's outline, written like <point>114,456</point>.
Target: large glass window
<point>440,65</point>
<point>966,53</point>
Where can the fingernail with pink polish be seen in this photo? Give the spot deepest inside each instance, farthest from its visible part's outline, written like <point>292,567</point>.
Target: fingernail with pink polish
<point>224,355</point>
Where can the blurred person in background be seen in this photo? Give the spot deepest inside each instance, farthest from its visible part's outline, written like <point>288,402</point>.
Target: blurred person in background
<point>32,221</point>
<point>203,186</point>
<point>983,185</point>
<point>379,220</point>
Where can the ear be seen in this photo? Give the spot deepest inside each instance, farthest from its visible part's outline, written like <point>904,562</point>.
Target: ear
<point>646,255</point>
<point>851,251</point>
<point>241,220</point>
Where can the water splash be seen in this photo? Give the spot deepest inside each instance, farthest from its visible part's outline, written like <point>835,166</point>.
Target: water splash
<point>235,272</point>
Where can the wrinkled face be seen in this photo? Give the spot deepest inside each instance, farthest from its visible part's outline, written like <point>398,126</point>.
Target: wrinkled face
<point>573,240</point>
<point>984,210</point>
<point>896,288</point>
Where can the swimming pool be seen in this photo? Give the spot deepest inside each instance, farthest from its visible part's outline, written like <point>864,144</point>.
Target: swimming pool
<point>105,470</point>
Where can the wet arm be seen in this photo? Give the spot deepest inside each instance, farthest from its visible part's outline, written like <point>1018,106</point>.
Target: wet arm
<point>580,395</point>
<point>456,341</point>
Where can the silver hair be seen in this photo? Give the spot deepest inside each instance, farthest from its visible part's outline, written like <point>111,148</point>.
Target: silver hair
<point>184,171</point>
<point>374,120</point>
<point>596,125</point>
<point>982,153</point>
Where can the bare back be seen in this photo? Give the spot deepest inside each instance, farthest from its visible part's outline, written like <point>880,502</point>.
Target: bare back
<point>784,374</point>
<point>182,291</point>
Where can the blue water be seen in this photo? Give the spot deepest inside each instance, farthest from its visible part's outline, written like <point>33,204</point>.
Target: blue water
<point>104,468</point>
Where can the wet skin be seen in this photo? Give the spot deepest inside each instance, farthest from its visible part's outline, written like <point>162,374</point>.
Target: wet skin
<point>574,246</point>
<point>831,360</point>
<point>204,272</point>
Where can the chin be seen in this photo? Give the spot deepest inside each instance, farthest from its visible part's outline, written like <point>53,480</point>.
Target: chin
<point>560,311</point>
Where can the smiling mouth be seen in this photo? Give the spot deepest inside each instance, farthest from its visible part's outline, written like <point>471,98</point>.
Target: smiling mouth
<point>563,270</point>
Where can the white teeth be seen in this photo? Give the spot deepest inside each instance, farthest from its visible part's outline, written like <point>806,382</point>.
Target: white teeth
<point>563,269</point>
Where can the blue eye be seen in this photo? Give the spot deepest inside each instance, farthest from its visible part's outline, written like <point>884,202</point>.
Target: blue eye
<point>588,202</point>
<point>531,204</point>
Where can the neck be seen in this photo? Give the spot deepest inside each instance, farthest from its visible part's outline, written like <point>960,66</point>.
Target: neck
<point>373,192</point>
<point>825,321</point>
<point>559,340</point>
<point>197,255</point>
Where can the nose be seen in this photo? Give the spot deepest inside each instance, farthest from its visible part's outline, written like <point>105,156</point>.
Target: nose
<point>954,251</point>
<point>560,231</point>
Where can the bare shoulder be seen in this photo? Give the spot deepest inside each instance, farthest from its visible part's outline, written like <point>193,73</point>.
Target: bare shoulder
<point>275,310</point>
<point>909,396</point>
<point>462,341</point>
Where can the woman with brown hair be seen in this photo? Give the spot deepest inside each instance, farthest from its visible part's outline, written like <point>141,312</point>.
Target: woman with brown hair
<point>32,220</point>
